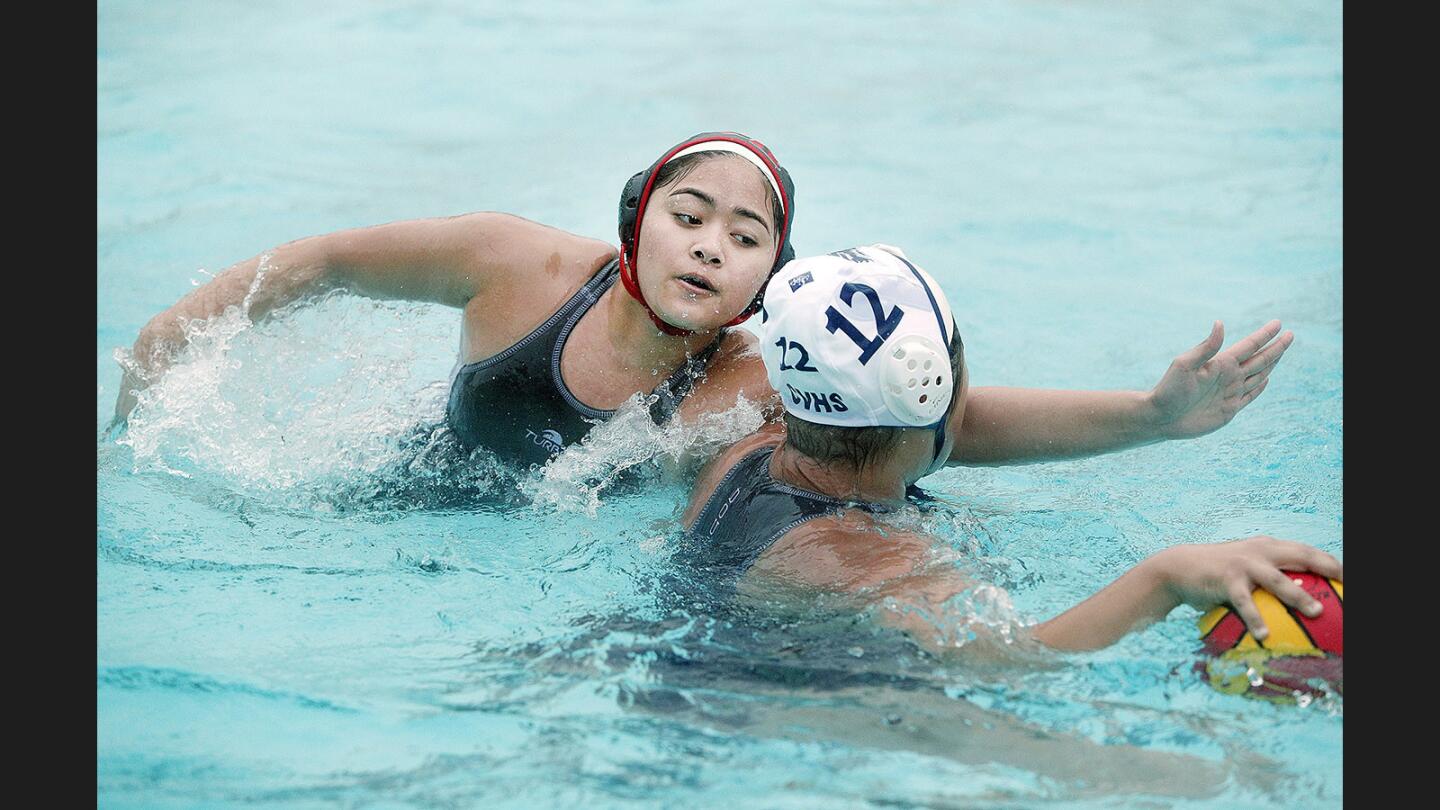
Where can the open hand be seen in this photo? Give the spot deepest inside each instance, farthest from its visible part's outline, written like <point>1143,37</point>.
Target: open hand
<point>1203,390</point>
<point>1212,574</point>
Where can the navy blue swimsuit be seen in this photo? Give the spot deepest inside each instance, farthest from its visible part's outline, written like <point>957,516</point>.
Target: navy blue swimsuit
<point>516,404</point>
<point>748,512</point>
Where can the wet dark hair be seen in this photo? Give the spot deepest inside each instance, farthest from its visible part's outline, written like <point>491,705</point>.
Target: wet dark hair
<point>833,444</point>
<point>677,169</point>
<point>859,446</point>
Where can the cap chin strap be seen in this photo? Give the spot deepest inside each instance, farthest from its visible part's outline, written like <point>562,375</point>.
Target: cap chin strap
<point>938,462</point>
<point>632,286</point>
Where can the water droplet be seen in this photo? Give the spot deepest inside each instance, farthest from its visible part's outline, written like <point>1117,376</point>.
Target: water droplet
<point>856,652</point>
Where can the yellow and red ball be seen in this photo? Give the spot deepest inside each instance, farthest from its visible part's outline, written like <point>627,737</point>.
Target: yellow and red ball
<point>1297,655</point>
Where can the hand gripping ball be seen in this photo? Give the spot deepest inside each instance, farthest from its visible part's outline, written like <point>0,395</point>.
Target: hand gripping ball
<point>1300,659</point>
<point>1291,632</point>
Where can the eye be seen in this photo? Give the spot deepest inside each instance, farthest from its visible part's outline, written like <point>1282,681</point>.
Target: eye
<point>687,219</point>
<point>745,240</point>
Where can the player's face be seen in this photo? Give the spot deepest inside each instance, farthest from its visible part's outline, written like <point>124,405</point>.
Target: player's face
<point>707,244</point>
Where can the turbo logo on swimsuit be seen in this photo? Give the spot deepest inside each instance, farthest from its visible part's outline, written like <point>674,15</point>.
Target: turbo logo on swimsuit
<point>550,440</point>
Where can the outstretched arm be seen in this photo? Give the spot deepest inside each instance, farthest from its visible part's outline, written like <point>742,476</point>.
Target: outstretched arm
<point>1201,391</point>
<point>911,588</point>
<point>1199,575</point>
<point>445,261</point>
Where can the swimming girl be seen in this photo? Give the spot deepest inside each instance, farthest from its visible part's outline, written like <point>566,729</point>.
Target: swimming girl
<point>865,346</point>
<point>551,345</point>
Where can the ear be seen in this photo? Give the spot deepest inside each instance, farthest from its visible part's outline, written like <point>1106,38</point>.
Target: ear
<point>787,254</point>
<point>630,204</point>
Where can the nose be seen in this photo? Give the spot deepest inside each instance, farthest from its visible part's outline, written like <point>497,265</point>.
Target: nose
<point>707,250</point>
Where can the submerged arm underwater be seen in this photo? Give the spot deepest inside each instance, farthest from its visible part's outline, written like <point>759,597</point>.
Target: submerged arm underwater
<point>914,593</point>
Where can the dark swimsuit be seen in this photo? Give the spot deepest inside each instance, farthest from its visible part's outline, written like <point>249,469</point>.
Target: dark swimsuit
<point>748,512</point>
<point>516,403</point>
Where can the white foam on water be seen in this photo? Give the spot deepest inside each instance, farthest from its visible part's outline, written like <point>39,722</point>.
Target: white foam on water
<point>631,441</point>
<point>307,398</point>
<point>312,403</point>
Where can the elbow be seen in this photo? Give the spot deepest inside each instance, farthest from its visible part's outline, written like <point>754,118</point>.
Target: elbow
<point>306,264</point>
<point>295,271</point>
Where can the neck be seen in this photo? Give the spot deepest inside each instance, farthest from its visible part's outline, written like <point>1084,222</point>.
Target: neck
<point>882,482</point>
<point>638,342</point>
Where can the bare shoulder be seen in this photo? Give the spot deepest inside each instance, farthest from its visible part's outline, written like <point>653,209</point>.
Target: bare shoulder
<point>736,371</point>
<point>452,260</point>
<point>712,473</point>
<point>515,249</point>
<point>844,552</point>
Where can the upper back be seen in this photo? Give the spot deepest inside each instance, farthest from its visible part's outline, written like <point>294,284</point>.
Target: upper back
<point>742,520</point>
<point>770,435</point>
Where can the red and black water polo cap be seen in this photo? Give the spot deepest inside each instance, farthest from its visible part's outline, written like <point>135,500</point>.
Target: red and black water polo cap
<point>636,196</point>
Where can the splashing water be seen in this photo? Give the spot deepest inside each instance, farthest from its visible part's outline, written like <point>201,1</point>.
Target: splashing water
<point>631,442</point>
<point>293,409</point>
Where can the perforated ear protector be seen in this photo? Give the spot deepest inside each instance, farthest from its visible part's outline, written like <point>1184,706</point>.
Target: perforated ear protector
<point>913,380</point>
<point>934,358</point>
<point>862,337</point>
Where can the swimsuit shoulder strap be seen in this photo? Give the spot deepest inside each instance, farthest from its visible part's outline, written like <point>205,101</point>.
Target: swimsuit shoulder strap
<point>748,511</point>
<point>594,287</point>
<point>670,393</point>
<point>581,300</point>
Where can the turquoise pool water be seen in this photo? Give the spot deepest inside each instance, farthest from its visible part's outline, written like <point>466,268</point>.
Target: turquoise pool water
<point>284,618</point>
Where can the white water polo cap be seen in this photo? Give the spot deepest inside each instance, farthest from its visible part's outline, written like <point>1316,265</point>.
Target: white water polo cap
<point>859,338</point>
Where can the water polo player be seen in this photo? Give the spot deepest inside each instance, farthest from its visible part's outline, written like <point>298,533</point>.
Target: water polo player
<point>550,343</point>
<point>550,346</point>
<point>863,346</point>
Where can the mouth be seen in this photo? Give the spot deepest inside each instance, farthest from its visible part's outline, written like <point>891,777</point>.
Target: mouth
<point>696,283</point>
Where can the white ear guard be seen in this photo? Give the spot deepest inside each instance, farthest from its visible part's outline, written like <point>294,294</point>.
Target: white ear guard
<point>860,338</point>
<point>915,380</point>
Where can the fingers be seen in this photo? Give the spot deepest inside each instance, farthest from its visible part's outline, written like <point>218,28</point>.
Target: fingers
<point>1319,562</point>
<point>1197,357</point>
<point>1282,587</point>
<point>1309,558</point>
<point>1250,344</point>
<point>1264,557</point>
<point>1255,371</point>
<point>1249,396</point>
<point>1297,556</point>
<point>1245,606</point>
<point>1265,359</point>
<point>1248,384</point>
